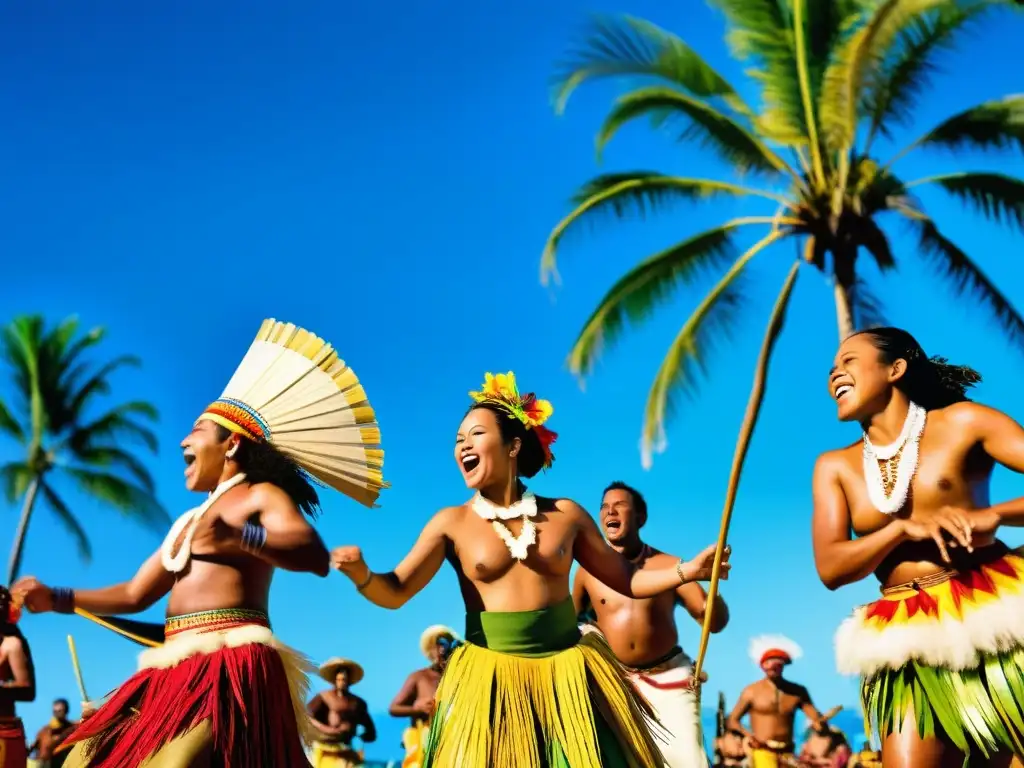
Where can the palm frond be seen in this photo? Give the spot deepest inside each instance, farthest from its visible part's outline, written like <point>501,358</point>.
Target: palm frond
<point>995,195</point>
<point>857,61</point>
<point>874,240</point>
<point>868,310</point>
<point>826,23</point>
<point>68,520</point>
<point>762,31</point>
<point>616,47</point>
<point>890,96</point>
<point>115,425</point>
<point>9,425</point>
<point>686,357</point>
<point>97,384</point>
<point>128,499</point>
<point>110,457</point>
<point>709,126</point>
<point>636,295</point>
<point>993,125</point>
<point>15,477</point>
<point>640,192</point>
<point>968,279</point>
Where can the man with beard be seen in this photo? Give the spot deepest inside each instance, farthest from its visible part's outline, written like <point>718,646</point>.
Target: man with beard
<point>50,737</point>
<point>415,699</point>
<point>642,632</point>
<point>17,683</point>
<point>772,704</point>
<point>222,689</point>
<point>337,714</point>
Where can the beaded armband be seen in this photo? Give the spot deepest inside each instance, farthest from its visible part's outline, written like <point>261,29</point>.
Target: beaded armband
<point>254,537</point>
<point>63,600</point>
<point>366,582</point>
<point>679,572</point>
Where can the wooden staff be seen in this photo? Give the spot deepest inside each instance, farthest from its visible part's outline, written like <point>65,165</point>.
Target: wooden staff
<point>78,669</point>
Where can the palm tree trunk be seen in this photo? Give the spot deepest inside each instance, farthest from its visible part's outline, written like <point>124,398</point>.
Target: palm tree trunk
<point>844,283</point>
<point>757,391</point>
<point>18,547</point>
<point>844,308</point>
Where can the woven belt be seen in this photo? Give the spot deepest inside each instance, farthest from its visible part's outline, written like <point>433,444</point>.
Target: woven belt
<point>214,621</point>
<point>924,582</point>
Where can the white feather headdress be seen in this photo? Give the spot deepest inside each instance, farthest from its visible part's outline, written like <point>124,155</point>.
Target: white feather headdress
<point>293,391</point>
<point>773,645</point>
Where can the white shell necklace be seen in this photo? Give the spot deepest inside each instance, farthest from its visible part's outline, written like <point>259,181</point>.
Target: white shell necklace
<point>175,562</point>
<point>525,508</point>
<point>888,469</point>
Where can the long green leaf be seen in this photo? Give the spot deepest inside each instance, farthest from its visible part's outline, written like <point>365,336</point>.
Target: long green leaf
<point>994,125</point>
<point>114,426</point>
<point>128,499</point>
<point>69,521</point>
<point>703,123</point>
<point>111,457</point>
<point>9,425</point>
<point>643,288</point>
<point>686,355</point>
<point>968,278</point>
<point>637,192</point>
<point>15,477</point>
<point>616,47</point>
<point>995,195</point>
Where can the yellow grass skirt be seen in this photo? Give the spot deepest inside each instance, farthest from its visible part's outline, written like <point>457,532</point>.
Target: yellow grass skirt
<point>526,690</point>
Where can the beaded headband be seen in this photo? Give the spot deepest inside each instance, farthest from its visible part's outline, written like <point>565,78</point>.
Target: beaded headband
<point>501,390</point>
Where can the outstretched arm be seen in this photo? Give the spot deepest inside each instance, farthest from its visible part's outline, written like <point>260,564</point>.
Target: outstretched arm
<point>838,559</point>
<point>1003,440</point>
<point>395,589</point>
<point>150,583</point>
<point>611,568</point>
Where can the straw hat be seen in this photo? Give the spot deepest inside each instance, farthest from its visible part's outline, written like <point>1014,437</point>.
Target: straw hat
<point>329,670</point>
<point>430,637</point>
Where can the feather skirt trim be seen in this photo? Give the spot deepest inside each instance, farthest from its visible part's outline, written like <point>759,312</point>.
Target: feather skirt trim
<point>241,680</point>
<point>953,625</point>
<point>570,708</point>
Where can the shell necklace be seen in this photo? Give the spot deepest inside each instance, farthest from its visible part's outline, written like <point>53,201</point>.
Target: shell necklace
<point>525,508</point>
<point>888,469</point>
<point>175,562</point>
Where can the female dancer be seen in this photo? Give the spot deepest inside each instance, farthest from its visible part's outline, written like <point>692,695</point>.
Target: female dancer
<point>941,654</point>
<point>525,689</point>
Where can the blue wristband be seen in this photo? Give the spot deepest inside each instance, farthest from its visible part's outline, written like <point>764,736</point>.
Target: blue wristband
<point>254,537</point>
<point>63,600</point>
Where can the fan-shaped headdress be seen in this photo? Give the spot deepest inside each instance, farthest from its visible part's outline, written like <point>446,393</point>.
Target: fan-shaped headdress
<point>501,390</point>
<point>293,391</point>
<point>768,647</point>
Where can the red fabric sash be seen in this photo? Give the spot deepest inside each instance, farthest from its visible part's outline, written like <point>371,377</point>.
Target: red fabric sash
<point>13,753</point>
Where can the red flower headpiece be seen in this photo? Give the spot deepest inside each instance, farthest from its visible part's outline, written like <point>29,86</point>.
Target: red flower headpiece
<point>528,409</point>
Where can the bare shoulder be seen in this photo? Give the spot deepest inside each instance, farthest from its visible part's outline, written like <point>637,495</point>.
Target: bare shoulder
<point>12,644</point>
<point>450,515</point>
<point>833,462</point>
<point>966,415</point>
<point>568,507</point>
<point>262,496</point>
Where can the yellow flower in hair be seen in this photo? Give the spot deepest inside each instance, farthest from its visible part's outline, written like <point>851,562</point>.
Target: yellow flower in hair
<point>536,411</point>
<point>501,390</point>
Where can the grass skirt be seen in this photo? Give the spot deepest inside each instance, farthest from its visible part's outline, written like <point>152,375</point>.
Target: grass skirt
<point>951,652</point>
<point>220,685</point>
<point>526,690</point>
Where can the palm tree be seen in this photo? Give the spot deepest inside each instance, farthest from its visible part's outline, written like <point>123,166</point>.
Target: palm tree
<point>835,76</point>
<point>61,437</point>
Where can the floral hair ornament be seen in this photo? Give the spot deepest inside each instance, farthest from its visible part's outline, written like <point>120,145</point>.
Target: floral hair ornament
<point>501,390</point>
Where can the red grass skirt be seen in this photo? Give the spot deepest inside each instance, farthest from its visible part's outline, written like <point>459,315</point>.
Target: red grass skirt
<point>12,743</point>
<point>229,672</point>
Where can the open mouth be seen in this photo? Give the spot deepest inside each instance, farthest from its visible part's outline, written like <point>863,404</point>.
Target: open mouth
<point>613,526</point>
<point>841,390</point>
<point>190,459</point>
<point>470,462</point>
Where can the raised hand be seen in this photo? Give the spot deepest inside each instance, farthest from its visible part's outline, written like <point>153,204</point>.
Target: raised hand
<point>349,560</point>
<point>948,523</point>
<point>699,568</point>
<point>34,595</point>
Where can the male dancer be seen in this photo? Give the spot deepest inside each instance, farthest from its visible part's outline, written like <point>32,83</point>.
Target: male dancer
<point>337,714</point>
<point>643,633</point>
<point>222,690</point>
<point>17,683</point>
<point>415,699</point>
<point>772,704</point>
<point>51,736</point>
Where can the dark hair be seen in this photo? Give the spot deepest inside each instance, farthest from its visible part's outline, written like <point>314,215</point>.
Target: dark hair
<point>262,463</point>
<point>531,457</point>
<point>931,382</point>
<point>62,701</point>
<point>639,503</point>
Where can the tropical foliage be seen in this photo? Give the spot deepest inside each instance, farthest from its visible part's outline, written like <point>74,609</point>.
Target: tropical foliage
<point>62,438</point>
<point>834,76</point>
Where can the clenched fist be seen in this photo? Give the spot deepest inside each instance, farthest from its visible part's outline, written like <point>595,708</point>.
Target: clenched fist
<point>28,591</point>
<point>699,569</point>
<point>349,560</point>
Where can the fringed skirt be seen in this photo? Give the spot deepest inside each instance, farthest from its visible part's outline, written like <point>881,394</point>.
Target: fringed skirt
<point>221,688</point>
<point>527,691</point>
<point>950,650</point>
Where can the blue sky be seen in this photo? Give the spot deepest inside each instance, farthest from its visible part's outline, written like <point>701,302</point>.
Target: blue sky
<point>386,175</point>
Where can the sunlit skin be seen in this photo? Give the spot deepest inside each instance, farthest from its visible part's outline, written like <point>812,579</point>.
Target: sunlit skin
<point>17,677</point>
<point>415,699</point>
<point>639,631</point>
<point>339,714</point>
<point>948,515</point>
<point>489,577</point>
<point>772,704</point>
<point>220,574</point>
<point>49,738</point>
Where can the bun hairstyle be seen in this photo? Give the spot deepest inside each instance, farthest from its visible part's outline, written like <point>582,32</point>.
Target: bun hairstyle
<point>531,457</point>
<point>931,382</point>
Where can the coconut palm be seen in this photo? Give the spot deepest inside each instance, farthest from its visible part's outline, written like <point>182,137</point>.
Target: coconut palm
<point>63,440</point>
<point>835,76</point>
